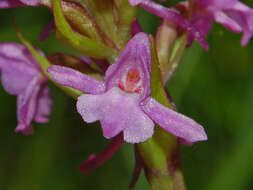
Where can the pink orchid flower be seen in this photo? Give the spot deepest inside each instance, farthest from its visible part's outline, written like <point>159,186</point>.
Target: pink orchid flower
<point>21,76</point>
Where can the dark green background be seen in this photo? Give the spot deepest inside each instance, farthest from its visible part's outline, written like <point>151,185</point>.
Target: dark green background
<point>215,88</point>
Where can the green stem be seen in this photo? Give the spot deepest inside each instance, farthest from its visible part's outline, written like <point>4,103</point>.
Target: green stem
<point>160,154</point>
<point>176,57</point>
<point>155,165</point>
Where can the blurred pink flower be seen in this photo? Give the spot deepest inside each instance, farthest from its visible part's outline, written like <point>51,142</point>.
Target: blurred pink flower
<point>17,3</point>
<point>232,14</point>
<point>171,15</point>
<point>21,76</point>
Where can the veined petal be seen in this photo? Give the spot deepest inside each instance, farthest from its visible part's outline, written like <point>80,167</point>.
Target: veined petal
<point>117,111</point>
<point>44,105</point>
<point>136,55</point>
<point>27,104</point>
<point>175,123</point>
<point>75,79</point>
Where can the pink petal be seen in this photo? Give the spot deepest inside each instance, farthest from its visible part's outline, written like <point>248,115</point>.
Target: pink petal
<point>243,15</point>
<point>27,104</point>
<point>95,161</point>
<point>137,2</point>
<point>137,54</point>
<point>75,79</point>
<point>202,23</point>
<point>218,4</point>
<point>16,74</point>
<point>44,105</point>
<point>25,129</point>
<point>16,51</point>
<point>136,28</point>
<point>246,37</point>
<point>176,18</point>
<point>227,22</point>
<point>117,111</point>
<point>4,4</point>
<point>174,122</point>
<point>31,2</point>
<point>46,31</point>
<point>86,60</point>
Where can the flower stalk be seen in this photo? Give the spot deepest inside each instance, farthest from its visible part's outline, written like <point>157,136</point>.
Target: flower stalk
<point>160,153</point>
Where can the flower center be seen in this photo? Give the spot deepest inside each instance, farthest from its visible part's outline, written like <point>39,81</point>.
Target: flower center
<point>131,82</point>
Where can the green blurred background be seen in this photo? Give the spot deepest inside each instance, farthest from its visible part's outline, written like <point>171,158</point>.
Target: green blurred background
<point>215,88</point>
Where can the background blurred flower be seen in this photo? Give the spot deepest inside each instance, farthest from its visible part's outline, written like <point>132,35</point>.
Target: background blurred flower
<point>173,16</point>
<point>232,14</point>
<point>21,76</point>
<point>17,3</point>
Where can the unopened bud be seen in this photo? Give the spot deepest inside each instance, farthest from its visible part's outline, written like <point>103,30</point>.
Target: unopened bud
<point>165,39</point>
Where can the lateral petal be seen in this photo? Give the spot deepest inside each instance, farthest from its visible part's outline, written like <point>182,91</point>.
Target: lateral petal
<point>75,79</point>
<point>26,106</point>
<point>174,122</point>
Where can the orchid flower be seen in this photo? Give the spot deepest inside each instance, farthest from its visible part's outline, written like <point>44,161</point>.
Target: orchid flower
<point>17,3</point>
<point>122,103</point>
<point>171,15</point>
<point>232,14</point>
<point>21,76</point>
